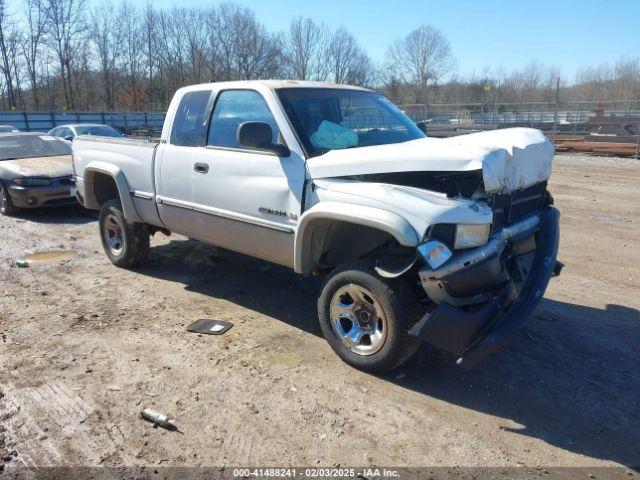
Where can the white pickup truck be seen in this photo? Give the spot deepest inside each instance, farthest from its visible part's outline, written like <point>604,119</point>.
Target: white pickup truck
<point>452,241</point>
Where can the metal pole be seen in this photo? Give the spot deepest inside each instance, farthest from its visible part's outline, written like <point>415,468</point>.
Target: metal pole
<point>555,112</point>
<point>482,110</point>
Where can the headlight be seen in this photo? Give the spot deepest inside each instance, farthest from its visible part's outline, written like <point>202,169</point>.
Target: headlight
<point>32,182</point>
<point>469,236</point>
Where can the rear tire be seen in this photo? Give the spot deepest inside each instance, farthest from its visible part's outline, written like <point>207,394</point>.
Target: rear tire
<point>366,318</point>
<point>6,204</point>
<point>126,244</point>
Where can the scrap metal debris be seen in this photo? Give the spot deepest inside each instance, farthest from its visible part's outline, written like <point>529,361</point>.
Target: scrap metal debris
<point>159,419</point>
<point>210,327</point>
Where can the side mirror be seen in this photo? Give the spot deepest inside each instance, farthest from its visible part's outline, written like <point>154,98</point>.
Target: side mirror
<point>259,135</point>
<point>69,138</point>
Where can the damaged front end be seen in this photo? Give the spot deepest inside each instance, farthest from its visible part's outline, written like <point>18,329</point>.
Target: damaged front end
<point>483,294</point>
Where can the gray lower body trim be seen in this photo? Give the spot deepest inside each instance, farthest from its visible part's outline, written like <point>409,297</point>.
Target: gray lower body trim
<point>218,212</point>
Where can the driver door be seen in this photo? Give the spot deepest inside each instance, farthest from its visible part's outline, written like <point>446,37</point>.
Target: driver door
<point>251,198</point>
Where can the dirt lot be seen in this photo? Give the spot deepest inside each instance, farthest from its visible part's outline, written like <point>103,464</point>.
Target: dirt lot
<point>85,345</point>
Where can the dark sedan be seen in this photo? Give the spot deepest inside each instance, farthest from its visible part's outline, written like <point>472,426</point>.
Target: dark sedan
<point>36,170</point>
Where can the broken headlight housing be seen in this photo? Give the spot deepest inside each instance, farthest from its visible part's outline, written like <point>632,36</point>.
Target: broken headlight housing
<point>32,182</point>
<point>471,235</point>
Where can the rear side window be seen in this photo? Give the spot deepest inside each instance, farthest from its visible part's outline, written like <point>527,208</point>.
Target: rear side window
<point>189,124</point>
<point>232,108</point>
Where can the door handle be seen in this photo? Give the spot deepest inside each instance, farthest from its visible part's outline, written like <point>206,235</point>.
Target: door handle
<point>201,167</point>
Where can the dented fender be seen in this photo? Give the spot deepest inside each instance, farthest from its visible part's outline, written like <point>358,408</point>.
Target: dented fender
<point>384,220</point>
<point>420,208</point>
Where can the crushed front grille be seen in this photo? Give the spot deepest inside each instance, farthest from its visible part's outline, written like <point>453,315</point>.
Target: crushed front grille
<point>512,207</point>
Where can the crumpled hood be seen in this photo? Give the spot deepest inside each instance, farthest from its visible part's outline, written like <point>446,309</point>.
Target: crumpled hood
<point>48,167</point>
<point>510,159</point>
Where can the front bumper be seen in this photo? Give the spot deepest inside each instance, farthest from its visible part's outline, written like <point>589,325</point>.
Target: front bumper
<point>474,332</point>
<point>60,192</point>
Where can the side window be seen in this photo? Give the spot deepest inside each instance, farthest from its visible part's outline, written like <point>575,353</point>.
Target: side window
<point>66,132</point>
<point>231,109</point>
<point>56,132</point>
<point>189,124</point>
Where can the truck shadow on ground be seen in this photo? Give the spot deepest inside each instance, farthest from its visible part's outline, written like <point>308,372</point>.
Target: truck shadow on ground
<point>69,215</point>
<point>570,377</point>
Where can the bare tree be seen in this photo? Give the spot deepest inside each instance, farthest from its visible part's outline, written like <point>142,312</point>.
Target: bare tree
<point>258,54</point>
<point>105,37</point>
<point>535,81</point>
<point>304,49</point>
<point>421,58</point>
<point>150,34</point>
<point>195,32</point>
<point>8,41</point>
<point>130,61</point>
<point>248,51</point>
<point>627,79</point>
<point>66,25</point>
<point>348,63</point>
<point>31,43</point>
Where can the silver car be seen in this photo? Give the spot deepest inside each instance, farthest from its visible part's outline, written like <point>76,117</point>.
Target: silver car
<point>35,171</point>
<point>69,132</point>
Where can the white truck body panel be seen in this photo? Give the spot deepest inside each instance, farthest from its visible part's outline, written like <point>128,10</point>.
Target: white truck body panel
<point>134,159</point>
<point>419,207</point>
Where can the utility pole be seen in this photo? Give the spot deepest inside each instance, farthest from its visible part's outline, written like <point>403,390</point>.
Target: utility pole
<point>555,112</point>
<point>485,88</point>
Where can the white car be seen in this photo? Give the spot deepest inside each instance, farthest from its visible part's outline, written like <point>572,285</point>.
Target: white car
<point>452,241</point>
<point>69,132</point>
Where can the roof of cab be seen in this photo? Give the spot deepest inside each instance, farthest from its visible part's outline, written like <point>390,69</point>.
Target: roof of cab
<point>274,84</point>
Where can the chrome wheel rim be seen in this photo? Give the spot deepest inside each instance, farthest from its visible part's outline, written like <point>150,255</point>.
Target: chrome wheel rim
<point>113,233</point>
<point>358,319</point>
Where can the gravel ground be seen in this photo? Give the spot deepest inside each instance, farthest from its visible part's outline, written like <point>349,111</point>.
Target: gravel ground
<point>84,346</point>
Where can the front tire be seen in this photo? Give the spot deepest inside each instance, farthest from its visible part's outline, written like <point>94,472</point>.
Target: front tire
<point>366,318</point>
<point>6,204</point>
<point>126,244</point>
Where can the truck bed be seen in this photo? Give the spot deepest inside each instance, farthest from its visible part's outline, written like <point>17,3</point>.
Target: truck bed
<point>134,157</point>
<point>139,141</point>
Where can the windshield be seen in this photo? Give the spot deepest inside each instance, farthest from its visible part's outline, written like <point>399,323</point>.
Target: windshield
<point>13,147</point>
<point>99,130</point>
<point>330,119</point>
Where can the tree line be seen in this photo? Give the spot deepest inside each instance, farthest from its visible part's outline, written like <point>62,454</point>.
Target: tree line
<point>77,55</point>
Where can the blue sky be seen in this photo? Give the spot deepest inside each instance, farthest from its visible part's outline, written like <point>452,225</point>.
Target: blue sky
<point>510,33</point>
